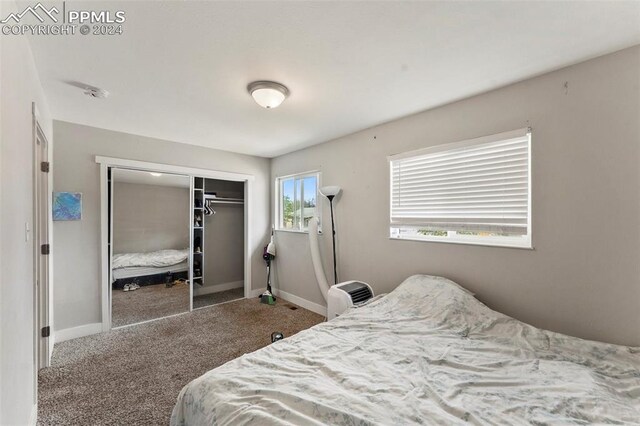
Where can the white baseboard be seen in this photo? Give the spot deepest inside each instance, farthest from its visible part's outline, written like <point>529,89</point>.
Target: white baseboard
<point>304,303</point>
<point>33,419</point>
<point>75,332</point>
<point>208,289</point>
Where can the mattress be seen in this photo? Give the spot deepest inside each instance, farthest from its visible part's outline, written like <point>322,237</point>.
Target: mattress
<point>428,352</point>
<point>160,258</point>
<point>141,271</point>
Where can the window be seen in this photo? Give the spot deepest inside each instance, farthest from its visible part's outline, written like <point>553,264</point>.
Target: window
<point>297,199</point>
<point>471,192</point>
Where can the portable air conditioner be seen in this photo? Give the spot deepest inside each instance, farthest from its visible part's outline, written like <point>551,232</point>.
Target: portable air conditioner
<point>345,295</point>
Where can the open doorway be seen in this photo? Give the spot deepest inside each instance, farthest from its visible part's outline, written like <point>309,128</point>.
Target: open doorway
<point>150,245</point>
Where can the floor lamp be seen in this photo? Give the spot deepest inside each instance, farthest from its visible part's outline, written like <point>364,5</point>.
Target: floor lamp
<point>331,192</point>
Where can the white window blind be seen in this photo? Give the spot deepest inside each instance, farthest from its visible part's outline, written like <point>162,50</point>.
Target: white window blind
<point>476,191</point>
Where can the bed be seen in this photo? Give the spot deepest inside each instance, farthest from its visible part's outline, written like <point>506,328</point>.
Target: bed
<point>147,268</point>
<point>428,352</point>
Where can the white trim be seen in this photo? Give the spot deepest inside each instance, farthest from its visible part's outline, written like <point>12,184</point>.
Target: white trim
<point>503,242</point>
<point>304,303</point>
<point>104,251</point>
<point>80,331</point>
<point>169,168</point>
<point>217,288</point>
<point>519,133</point>
<point>107,162</point>
<point>33,418</point>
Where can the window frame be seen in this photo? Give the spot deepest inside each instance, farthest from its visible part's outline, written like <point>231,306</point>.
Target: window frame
<point>278,205</point>
<point>525,242</point>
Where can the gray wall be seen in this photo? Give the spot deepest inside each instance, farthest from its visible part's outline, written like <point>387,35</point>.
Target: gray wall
<point>77,249</point>
<point>149,217</point>
<point>582,279</point>
<point>19,87</point>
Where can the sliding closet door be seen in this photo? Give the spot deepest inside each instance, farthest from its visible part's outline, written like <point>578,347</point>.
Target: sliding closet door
<point>110,240</point>
<point>150,245</point>
<point>191,219</point>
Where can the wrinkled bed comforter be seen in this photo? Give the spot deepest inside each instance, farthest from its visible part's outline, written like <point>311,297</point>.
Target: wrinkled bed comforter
<point>157,259</point>
<point>428,353</point>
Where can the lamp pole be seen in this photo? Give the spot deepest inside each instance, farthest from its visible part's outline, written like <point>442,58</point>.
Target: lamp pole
<point>333,238</point>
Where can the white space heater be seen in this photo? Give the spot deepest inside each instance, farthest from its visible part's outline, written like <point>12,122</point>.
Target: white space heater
<point>342,296</point>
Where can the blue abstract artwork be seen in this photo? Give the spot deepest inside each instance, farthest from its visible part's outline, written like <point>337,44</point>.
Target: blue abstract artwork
<point>67,205</point>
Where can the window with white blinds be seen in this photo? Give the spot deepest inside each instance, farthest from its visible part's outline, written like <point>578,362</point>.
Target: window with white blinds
<point>471,192</point>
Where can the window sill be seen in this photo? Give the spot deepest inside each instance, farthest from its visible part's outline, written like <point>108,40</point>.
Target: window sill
<point>295,231</point>
<point>523,246</point>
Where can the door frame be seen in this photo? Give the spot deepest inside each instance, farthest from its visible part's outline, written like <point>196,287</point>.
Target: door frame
<point>42,234</point>
<point>105,256</point>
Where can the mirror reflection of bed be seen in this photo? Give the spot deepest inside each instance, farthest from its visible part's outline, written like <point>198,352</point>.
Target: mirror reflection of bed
<point>150,246</point>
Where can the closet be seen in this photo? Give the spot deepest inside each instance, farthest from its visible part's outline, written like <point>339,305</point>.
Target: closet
<point>217,241</point>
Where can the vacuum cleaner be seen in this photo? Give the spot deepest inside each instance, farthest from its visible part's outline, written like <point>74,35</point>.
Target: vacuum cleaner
<point>268,255</point>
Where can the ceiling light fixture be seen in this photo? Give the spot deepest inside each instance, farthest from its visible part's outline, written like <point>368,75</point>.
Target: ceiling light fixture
<point>155,174</point>
<point>96,92</point>
<point>268,94</point>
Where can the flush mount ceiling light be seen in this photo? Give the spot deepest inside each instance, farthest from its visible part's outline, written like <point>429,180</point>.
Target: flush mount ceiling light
<point>268,94</point>
<point>96,92</point>
<point>155,174</point>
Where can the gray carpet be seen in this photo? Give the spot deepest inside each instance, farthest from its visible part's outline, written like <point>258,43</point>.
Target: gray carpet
<point>133,375</point>
<point>148,302</point>
<point>219,297</point>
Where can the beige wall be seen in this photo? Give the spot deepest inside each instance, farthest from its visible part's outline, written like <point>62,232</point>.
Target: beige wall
<point>149,217</point>
<point>77,249</point>
<point>19,87</point>
<point>582,279</point>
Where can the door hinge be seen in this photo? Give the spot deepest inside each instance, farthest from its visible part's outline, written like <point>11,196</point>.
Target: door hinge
<point>46,331</point>
<point>45,249</point>
<point>44,167</point>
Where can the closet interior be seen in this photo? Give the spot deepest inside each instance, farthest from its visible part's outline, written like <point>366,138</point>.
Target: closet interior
<point>217,241</point>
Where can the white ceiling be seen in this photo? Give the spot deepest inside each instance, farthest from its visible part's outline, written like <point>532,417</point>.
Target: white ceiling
<point>146,178</point>
<point>181,69</point>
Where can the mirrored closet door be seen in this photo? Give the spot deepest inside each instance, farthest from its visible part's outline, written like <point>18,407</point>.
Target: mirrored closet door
<point>150,235</point>
<point>217,241</point>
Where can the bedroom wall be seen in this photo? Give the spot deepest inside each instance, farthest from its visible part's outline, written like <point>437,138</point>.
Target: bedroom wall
<point>582,279</point>
<point>19,87</point>
<point>149,217</point>
<point>77,249</point>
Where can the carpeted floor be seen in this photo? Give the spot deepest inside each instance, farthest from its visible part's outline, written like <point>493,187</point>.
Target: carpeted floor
<point>215,298</point>
<point>148,302</point>
<point>133,375</point>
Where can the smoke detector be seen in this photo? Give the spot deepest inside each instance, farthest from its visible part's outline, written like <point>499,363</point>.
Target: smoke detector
<point>96,92</point>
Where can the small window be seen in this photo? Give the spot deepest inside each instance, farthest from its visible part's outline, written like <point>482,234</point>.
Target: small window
<point>471,192</point>
<point>297,200</point>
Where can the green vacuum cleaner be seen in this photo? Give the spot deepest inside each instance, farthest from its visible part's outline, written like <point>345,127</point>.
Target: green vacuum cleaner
<point>268,255</point>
